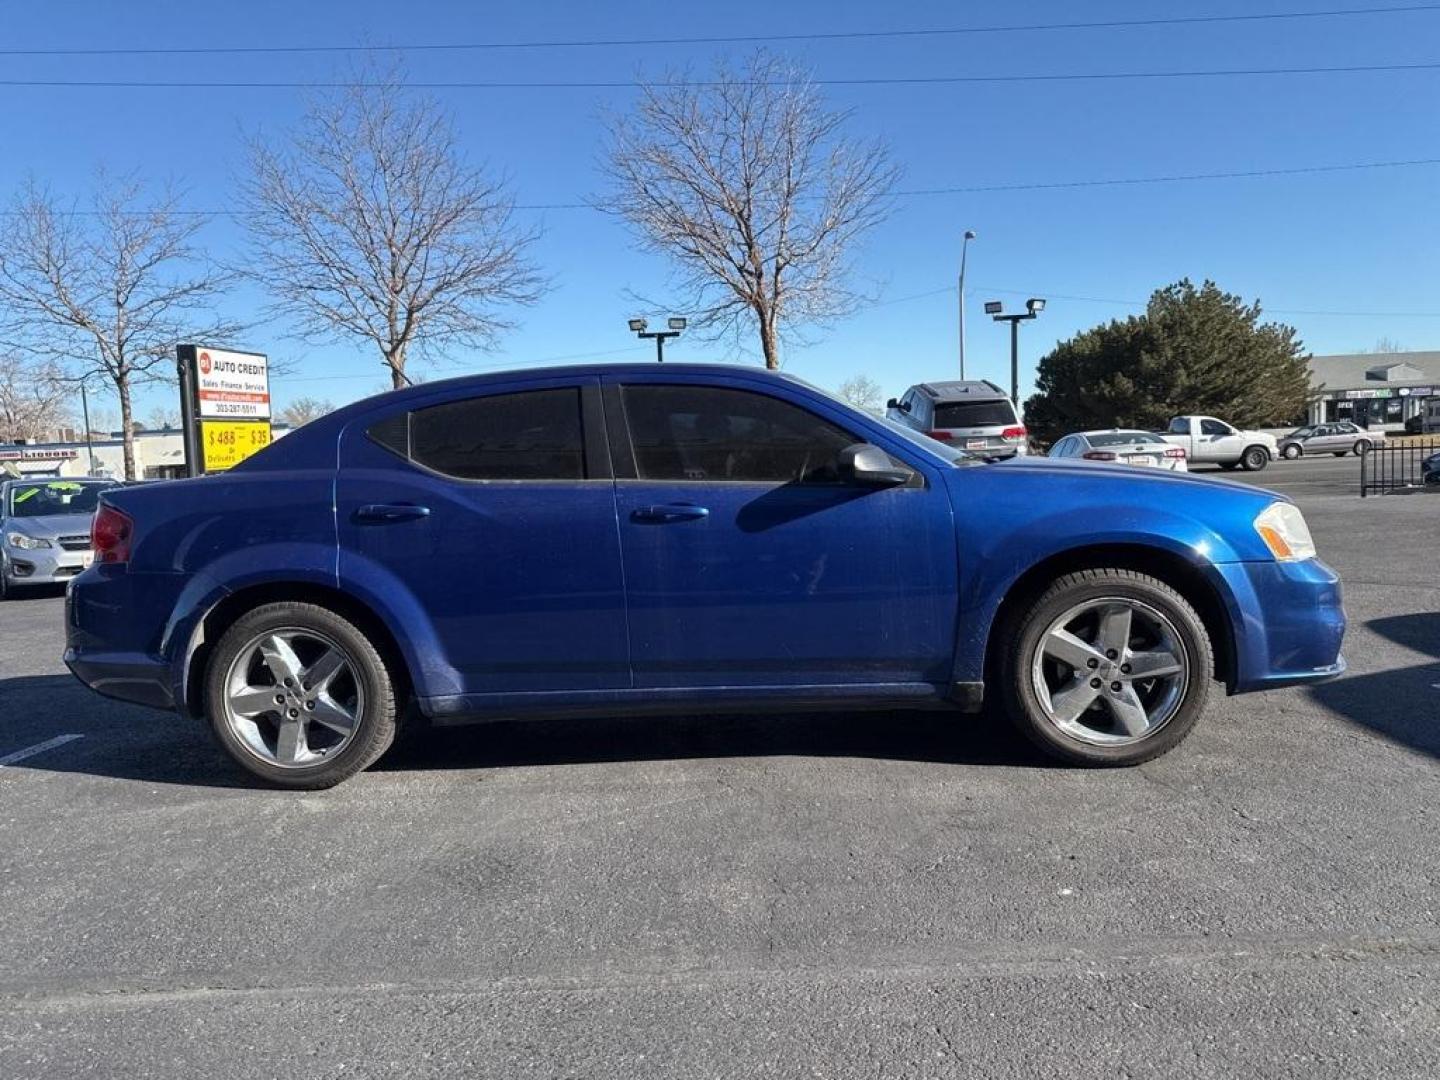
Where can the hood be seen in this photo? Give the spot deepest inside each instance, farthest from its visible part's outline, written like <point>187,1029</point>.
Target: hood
<point>50,526</point>
<point>1071,471</point>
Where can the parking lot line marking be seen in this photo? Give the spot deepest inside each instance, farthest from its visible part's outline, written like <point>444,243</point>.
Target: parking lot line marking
<point>38,748</point>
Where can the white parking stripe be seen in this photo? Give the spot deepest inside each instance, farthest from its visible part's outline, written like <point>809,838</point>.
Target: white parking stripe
<point>38,748</point>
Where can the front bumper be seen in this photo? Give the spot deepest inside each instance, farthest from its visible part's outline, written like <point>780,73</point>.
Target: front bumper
<point>1289,621</point>
<point>44,566</point>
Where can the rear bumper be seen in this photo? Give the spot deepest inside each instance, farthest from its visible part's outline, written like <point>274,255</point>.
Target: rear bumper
<point>114,635</point>
<point>1289,623</point>
<point>141,680</point>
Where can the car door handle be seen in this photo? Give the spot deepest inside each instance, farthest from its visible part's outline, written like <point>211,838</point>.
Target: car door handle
<point>669,512</point>
<point>382,513</point>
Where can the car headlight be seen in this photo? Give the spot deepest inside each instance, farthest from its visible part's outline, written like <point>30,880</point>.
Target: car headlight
<point>1283,528</point>
<point>25,543</point>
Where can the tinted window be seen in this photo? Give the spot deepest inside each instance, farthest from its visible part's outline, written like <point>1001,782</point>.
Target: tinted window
<point>55,497</point>
<point>710,433</point>
<point>1215,427</point>
<point>964,414</point>
<point>1124,438</point>
<point>535,435</point>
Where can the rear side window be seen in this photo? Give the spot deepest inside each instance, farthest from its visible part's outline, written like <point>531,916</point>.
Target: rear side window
<point>968,414</point>
<point>716,434</point>
<point>533,435</point>
<point>1180,426</point>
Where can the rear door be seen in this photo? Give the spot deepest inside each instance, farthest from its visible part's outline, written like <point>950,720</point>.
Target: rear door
<point>749,563</point>
<point>494,512</point>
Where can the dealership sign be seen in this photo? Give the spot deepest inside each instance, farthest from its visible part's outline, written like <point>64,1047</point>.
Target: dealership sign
<point>225,397</point>
<point>232,385</point>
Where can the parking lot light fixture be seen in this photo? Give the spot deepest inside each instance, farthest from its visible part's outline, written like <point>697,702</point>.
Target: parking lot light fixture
<point>676,323</point>
<point>996,311</point>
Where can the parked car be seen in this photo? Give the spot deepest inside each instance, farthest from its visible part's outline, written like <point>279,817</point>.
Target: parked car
<point>45,530</point>
<point>1339,438</point>
<point>606,539</point>
<point>1208,441</point>
<point>1430,469</point>
<point>1129,447</point>
<point>974,415</point>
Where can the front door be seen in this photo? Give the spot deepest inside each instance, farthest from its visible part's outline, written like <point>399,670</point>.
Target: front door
<point>749,562</point>
<point>494,516</point>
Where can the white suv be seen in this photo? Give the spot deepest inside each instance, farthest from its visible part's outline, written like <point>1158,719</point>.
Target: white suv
<point>972,415</point>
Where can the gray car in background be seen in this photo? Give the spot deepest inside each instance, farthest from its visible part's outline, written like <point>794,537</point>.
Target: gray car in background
<point>45,530</point>
<point>972,415</point>
<point>1339,438</point>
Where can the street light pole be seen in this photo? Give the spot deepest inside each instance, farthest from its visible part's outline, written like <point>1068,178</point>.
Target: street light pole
<point>994,309</point>
<point>85,410</point>
<point>964,244</point>
<point>676,326</point>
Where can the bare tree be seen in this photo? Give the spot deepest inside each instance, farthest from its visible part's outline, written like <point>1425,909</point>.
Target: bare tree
<point>863,392</point>
<point>1385,344</point>
<point>746,183</point>
<point>108,292</point>
<point>34,399</point>
<point>162,417</point>
<point>304,409</point>
<point>368,223</point>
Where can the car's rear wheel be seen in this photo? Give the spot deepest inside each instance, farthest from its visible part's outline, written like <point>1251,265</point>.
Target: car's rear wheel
<point>299,696</point>
<point>1107,667</point>
<point>1255,458</point>
<point>1362,447</point>
<point>1290,452</point>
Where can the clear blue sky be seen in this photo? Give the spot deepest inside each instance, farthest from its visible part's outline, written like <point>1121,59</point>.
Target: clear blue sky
<point>1364,241</point>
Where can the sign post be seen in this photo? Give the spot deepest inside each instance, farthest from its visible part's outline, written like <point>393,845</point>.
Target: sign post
<point>225,404</point>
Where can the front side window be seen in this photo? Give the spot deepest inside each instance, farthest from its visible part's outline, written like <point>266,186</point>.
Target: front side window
<point>1215,427</point>
<point>716,434</point>
<point>531,435</point>
<point>1180,426</point>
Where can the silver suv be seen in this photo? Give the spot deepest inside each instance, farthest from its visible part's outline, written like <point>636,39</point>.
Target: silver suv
<point>969,414</point>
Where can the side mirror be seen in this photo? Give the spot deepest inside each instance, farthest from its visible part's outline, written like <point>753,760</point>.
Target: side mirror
<point>892,404</point>
<point>868,465</point>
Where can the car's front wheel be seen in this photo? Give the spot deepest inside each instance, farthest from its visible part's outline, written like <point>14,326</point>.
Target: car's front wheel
<point>1290,452</point>
<point>1107,667</point>
<point>1362,447</point>
<point>299,696</point>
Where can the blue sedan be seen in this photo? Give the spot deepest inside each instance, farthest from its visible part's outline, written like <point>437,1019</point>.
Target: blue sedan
<point>609,539</point>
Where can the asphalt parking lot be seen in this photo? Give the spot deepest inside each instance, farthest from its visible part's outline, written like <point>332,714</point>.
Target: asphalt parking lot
<point>833,896</point>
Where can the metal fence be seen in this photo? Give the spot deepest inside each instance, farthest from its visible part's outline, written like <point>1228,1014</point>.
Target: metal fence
<point>1398,465</point>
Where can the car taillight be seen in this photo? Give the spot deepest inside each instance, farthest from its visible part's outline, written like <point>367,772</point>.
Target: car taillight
<point>1098,455</point>
<point>943,436</point>
<point>1013,434</point>
<point>110,535</point>
<point>1175,452</point>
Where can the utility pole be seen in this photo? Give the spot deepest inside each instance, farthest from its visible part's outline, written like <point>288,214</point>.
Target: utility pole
<point>676,326</point>
<point>85,411</point>
<point>994,309</point>
<point>964,244</point>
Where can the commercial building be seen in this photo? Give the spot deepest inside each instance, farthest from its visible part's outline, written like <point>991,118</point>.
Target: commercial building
<point>1373,389</point>
<point>159,455</point>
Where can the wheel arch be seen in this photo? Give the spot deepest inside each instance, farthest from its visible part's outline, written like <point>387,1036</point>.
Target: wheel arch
<point>233,605</point>
<point>1183,575</point>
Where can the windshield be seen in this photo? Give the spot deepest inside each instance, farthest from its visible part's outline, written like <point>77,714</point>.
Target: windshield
<point>54,497</point>
<point>1300,432</point>
<point>968,414</point>
<point>1126,438</point>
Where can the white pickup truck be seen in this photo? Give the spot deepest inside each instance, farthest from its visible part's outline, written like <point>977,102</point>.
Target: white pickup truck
<point>1208,441</point>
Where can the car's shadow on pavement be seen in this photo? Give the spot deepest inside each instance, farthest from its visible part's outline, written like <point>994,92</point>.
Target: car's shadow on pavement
<point>1402,704</point>
<point>125,742</point>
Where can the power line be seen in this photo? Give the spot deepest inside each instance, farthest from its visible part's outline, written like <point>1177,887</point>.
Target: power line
<point>1053,185</point>
<point>632,84</point>
<point>728,39</point>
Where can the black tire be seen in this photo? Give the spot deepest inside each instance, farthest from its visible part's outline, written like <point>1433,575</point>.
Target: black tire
<point>1362,447</point>
<point>1023,632</point>
<point>1291,452</point>
<point>1255,458</point>
<point>375,725</point>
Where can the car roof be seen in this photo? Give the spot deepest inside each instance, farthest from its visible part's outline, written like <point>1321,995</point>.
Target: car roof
<point>961,388</point>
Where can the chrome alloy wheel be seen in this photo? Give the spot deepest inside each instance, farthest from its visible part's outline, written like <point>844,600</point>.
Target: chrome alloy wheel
<point>292,698</point>
<point>1110,671</point>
